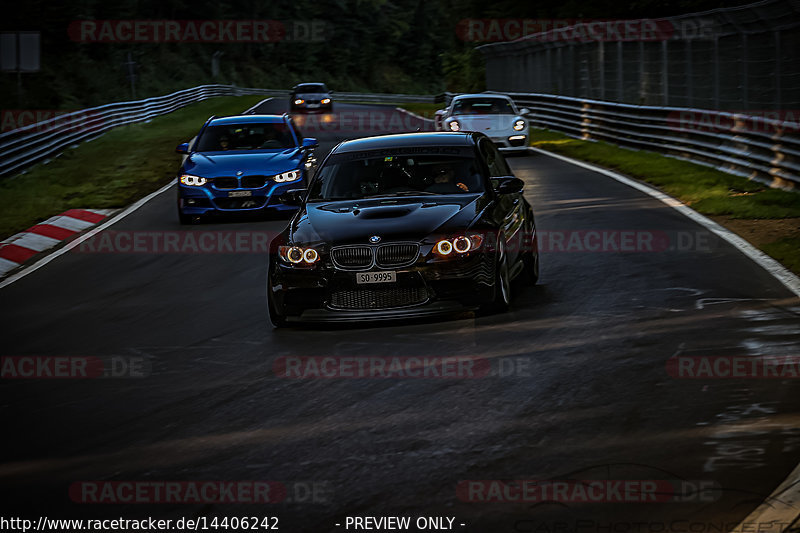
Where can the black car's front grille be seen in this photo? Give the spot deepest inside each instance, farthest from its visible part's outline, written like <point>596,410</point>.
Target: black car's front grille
<point>247,202</point>
<point>253,182</point>
<point>352,256</point>
<point>226,183</point>
<point>378,298</point>
<point>395,255</point>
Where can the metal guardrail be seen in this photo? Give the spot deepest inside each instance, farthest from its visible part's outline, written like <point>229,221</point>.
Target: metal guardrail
<point>23,147</point>
<point>756,147</point>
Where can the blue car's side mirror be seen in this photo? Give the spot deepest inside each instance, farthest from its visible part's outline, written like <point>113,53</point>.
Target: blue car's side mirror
<point>310,142</point>
<point>182,148</point>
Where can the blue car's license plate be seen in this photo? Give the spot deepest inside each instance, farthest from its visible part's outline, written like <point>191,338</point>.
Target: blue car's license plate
<point>239,194</point>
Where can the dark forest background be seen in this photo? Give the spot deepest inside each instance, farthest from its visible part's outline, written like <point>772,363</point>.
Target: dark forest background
<point>399,46</point>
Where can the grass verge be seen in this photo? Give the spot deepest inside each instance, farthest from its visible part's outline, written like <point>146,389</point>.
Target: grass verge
<point>768,218</point>
<point>110,171</point>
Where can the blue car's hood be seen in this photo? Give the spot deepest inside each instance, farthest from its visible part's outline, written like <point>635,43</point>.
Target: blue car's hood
<point>209,164</point>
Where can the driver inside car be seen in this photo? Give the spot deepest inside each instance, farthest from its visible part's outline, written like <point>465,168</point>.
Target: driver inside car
<point>444,180</point>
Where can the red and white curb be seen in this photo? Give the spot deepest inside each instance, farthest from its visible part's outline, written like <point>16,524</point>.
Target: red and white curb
<point>18,248</point>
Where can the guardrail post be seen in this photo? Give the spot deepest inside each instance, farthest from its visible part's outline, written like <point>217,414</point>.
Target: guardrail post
<point>664,74</point>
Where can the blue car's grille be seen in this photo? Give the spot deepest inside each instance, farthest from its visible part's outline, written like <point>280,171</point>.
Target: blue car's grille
<point>248,202</point>
<point>253,182</point>
<point>226,183</point>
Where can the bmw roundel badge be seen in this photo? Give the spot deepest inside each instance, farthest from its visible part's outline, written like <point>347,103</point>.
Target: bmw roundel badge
<point>374,239</point>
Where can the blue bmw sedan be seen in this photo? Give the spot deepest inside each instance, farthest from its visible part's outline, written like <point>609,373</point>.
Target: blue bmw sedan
<point>241,164</point>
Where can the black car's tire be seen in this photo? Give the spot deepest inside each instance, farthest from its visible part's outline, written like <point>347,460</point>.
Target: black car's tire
<point>502,282</point>
<point>530,261</point>
<point>278,320</point>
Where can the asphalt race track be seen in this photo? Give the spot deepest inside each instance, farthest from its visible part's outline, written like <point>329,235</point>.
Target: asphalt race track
<point>578,385</point>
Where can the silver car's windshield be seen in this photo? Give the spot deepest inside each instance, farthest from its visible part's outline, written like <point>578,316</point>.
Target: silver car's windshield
<point>483,106</point>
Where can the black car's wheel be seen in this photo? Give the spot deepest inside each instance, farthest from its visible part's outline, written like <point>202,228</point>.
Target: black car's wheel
<point>502,281</point>
<point>278,320</point>
<point>530,260</point>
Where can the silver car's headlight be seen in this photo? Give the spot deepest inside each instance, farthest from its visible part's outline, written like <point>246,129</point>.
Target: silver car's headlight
<point>454,126</point>
<point>286,176</point>
<point>193,181</point>
<point>519,125</point>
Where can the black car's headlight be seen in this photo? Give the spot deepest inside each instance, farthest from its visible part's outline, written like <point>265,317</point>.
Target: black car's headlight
<point>519,125</point>
<point>457,246</point>
<point>286,176</point>
<point>192,181</point>
<point>326,101</point>
<point>299,101</point>
<point>298,255</point>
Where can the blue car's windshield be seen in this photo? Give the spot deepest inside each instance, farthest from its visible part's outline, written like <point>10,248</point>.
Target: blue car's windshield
<point>345,178</point>
<point>256,136</point>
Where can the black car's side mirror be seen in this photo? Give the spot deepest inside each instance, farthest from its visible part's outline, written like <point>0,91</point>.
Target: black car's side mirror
<point>293,197</point>
<point>182,148</point>
<point>310,142</point>
<point>508,185</point>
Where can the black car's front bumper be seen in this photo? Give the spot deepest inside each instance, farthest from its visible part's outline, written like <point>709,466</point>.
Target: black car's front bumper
<point>328,294</point>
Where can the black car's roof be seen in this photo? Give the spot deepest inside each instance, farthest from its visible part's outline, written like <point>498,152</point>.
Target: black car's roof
<point>438,138</point>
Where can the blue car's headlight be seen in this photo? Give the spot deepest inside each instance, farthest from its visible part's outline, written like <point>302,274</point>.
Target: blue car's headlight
<point>193,181</point>
<point>286,176</point>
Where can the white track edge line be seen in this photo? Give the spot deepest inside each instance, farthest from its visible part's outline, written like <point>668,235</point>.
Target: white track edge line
<point>89,234</point>
<point>777,270</point>
<point>265,100</point>
<point>406,111</point>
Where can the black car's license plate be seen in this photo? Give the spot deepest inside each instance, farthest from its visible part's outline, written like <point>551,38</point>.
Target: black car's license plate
<point>376,277</point>
<point>238,194</point>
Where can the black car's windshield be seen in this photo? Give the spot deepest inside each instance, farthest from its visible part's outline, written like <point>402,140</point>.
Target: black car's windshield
<point>256,136</point>
<point>348,178</point>
<point>310,88</point>
<point>482,106</point>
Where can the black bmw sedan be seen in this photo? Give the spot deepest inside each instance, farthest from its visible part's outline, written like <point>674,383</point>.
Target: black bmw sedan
<point>402,226</point>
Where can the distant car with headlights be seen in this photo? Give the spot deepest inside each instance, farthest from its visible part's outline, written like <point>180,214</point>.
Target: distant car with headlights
<point>403,226</point>
<point>494,115</point>
<point>241,164</point>
<point>310,97</point>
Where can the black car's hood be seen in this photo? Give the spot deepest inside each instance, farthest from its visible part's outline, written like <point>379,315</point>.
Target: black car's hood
<point>355,221</point>
<point>250,161</point>
<point>312,96</point>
